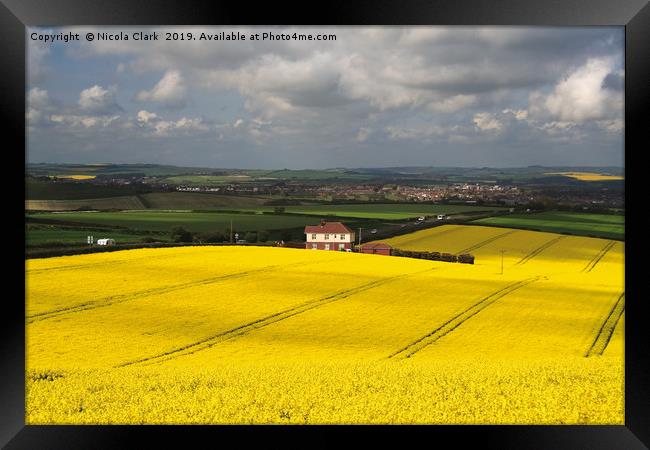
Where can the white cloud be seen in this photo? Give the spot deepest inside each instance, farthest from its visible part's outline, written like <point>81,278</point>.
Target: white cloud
<point>487,122</point>
<point>191,124</point>
<point>83,121</point>
<point>452,104</point>
<point>160,127</point>
<point>169,91</point>
<point>145,117</point>
<point>38,98</point>
<point>363,134</point>
<point>580,96</point>
<point>97,99</point>
<point>611,126</point>
<point>520,114</point>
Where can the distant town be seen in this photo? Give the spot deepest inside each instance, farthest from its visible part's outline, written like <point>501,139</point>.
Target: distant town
<point>567,187</point>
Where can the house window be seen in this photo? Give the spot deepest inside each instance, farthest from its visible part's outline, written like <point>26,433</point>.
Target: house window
<point>341,246</point>
<point>327,236</point>
<point>342,236</point>
<point>314,246</point>
<point>327,246</point>
<point>313,236</point>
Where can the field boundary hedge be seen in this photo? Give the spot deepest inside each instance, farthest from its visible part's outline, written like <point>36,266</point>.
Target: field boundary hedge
<point>464,258</point>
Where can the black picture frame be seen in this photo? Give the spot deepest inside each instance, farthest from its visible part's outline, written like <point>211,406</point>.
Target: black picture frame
<point>634,15</point>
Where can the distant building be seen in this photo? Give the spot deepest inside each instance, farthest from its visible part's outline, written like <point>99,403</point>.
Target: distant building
<point>329,236</point>
<point>106,241</point>
<point>376,248</point>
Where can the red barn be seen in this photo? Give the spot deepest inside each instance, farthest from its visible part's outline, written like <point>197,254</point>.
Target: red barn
<point>329,236</point>
<point>376,248</point>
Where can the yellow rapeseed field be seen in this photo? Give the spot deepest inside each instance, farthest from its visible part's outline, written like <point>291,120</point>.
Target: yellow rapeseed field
<point>77,177</point>
<point>275,335</point>
<point>587,176</point>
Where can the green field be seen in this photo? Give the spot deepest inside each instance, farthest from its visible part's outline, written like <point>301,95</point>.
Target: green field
<point>600,225</point>
<point>206,180</point>
<point>192,221</point>
<point>386,211</point>
<point>381,211</point>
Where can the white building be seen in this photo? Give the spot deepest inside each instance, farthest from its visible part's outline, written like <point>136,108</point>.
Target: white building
<point>329,236</point>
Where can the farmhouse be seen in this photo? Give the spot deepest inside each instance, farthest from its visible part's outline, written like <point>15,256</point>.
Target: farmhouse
<point>376,248</point>
<point>106,241</point>
<point>329,236</point>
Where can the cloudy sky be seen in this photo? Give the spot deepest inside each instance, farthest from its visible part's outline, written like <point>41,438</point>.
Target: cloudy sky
<point>374,97</point>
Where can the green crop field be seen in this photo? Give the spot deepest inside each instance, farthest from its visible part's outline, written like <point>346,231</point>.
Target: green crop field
<point>197,200</point>
<point>386,211</point>
<point>601,225</point>
<point>380,211</point>
<point>206,180</point>
<point>192,221</point>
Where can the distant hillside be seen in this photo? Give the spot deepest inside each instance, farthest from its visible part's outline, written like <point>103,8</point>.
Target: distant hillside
<point>112,169</point>
<point>203,176</point>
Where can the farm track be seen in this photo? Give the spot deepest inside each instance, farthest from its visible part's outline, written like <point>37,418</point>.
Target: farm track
<point>460,318</point>
<point>233,333</point>
<point>600,255</point>
<point>606,330</point>
<point>485,242</point>
<point>112,300</point>
<point>539,250</point>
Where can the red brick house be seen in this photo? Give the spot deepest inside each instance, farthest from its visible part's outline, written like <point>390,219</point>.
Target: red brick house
<point>329,236</point>
<point>376,248</point>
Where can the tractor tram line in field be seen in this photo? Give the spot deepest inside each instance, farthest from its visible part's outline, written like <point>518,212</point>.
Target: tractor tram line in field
<point>415,236</point>
<point>486,242</point>
<point>539,250</point>
<point>600,255</point>
<point>241,330</point>
<point>460,318</point>
<point>113,300</point>
<point>607,328</point>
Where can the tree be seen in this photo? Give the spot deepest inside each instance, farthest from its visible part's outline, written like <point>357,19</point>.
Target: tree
<point>263,236</point>
<point>278,209</point>
<point>285,235</point>
<point>214,237</point>
<point>251,236</point>
<point>180,234</point>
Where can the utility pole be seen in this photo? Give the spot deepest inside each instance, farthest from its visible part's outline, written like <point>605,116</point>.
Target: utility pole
<point>231,231</point>
<point>360,238</point>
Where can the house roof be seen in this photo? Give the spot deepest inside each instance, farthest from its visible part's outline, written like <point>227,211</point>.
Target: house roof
<point>328,227</point>
<point>376,245</point>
